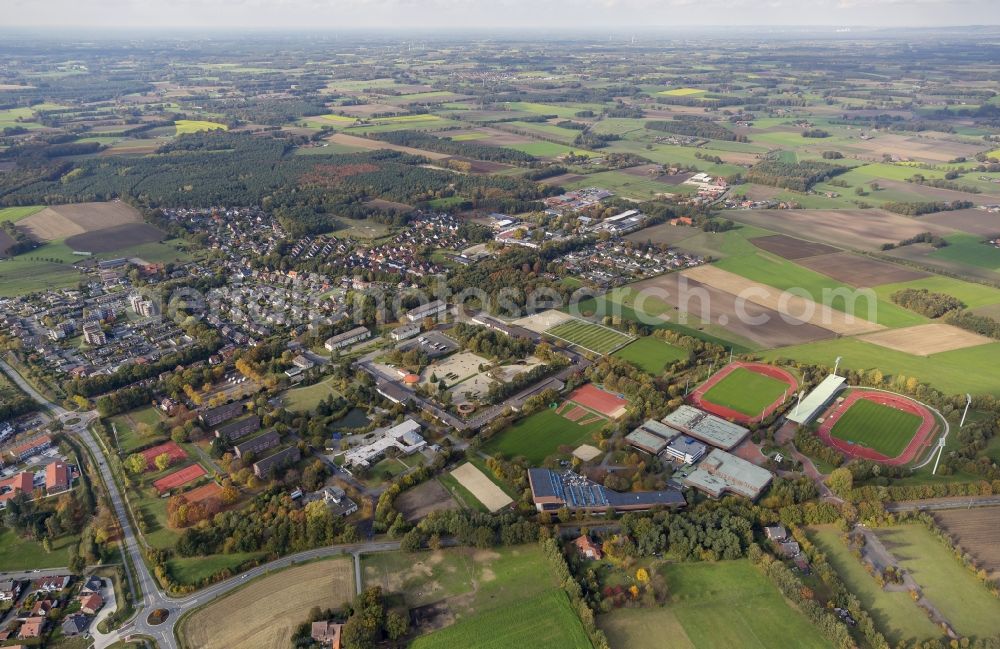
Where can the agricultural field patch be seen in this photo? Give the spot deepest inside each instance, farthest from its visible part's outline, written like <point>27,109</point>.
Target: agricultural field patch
<point>61,221</point>
<point>973,221</point>
<point>927,339</point>
<point>196,126</point>
<point>265,612</point>
<point>115,238</point>
<point>681,92</point>
<point>976,531</point>
<point>860,271</point>
<point>970,249</point>
<point>792,248</point>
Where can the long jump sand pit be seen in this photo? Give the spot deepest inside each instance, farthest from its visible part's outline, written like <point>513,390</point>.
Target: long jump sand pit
<point>788,304</point>
<point>62,221</point>
<point>264,614</point>
<point>926,339</point>
<point>481,487</point>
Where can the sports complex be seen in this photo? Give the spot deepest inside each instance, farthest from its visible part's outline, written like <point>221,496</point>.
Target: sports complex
<point>745,392</point>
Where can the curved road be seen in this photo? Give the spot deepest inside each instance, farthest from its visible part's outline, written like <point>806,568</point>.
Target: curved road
<point>152,596</point>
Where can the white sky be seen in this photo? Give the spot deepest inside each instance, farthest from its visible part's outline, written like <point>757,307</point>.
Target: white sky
<point>547,14</point>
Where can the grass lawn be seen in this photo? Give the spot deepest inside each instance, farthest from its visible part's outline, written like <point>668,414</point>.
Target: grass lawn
<point>15,214</point>
<point>307,398</point>
<point>127,427</point>
<point>971,370</point>
<point>44,268</point>
<point>681,92</point>
<point>960,597</point>
<point>730,605</point>
<point>878,427</point>
<point>651,354</point>
<point>546,621</point>
<point>590,336</point>
<point>20,554</point>
<point>644,628</point>
<point>191,570</point>
<point>973,295</point>
<point>897,616</point>
<point>194,126</point>
<point>746,392</point>
<point>543,149</point>
<point>540,435</point>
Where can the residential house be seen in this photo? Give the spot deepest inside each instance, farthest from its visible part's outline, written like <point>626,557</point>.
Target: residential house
<point>588,549</point>
<point>33,627</point>
<point>52,584</point>
<point>263,442</point>
<point>58,477</point>
<point>10,590</point>
<point>280,459</point>
<point>327,634</point>
<point>74,625</point>
<point>91,603</point>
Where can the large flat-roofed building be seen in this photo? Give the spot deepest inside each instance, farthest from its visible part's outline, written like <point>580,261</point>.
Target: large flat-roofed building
<point>707,428</point>
<point>275,461</point>
<point>212,417</point>
<point>405,331</point>
<point>723,472</point>
<point>685,449</point>
<point>816,401</point>
<point>651,437</point>
<point>238,429</point>
<point>405,437</point>
<point>551,491</point>
<point>347,338</point>
<point>426,310</point>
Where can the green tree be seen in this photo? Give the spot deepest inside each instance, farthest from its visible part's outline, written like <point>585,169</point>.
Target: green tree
<point>135,463</point>
<point>841,481</point>
<point>162,461</point>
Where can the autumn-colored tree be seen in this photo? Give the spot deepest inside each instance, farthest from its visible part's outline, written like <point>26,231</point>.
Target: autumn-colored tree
<point>163,461</point>
<point>135,463</point>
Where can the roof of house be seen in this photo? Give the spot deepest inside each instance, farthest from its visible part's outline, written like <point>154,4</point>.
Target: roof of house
<point>92,602</point>
<point>24,481</point>
<point>75,624</point>
<point>239,426</point>
<point>57,475</point>
<point>809,407</point>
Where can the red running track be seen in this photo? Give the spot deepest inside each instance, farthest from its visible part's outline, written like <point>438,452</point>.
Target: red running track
<point>697,397</point>
<point>921,439</point>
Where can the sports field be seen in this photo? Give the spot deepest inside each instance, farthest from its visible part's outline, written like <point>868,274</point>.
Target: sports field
<point>589,336</point>
<point>651,354</point>
<point>721,605</point>
<point>746,392</point>
<point>880,428</point>
<point>540,435</point>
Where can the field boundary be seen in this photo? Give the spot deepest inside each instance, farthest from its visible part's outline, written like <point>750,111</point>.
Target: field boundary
<point>920,440</point>
<point>697,396</point>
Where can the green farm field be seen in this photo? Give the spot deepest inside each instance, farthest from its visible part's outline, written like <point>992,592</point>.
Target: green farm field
<point>15,214</point>
<point>956,592</point>
<point>651,354</point>
<point>747,392</point>
<point>195,126</point>
<point>969,249</point>
<point>590,336</point>
<point>540,435</point>
<point>877,427</point>
<point>897,616</point>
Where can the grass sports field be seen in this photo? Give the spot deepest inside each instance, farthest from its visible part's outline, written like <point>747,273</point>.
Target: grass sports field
<point>540,435</point>
<point>877,427</point>
<point>956,592</point>
<point>651,354</point>
<point>590,336</point>
<point>721,605</point>
<point>897,616</point>
<point>746,392</point>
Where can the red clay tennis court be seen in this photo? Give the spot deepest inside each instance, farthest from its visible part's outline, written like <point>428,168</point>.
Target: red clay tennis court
<point>175,452</point>
<point>920,441</point>
<point>211,491</point>
<point>606,403</point>
<point>179,478</point>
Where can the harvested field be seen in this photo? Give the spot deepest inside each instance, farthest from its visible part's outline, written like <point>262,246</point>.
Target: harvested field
<point>976,532</point>
<point>372,145</point>
<point>928,193</point>
<point>427,497</point>
<point>6,241</point>
<point>265,613</point>
<point>783,302</point>
<point>927,339</point>
<point>211,491</point>
<point>978,222</point>
<point>860,229</point>
<point>792,248</point>
<point>562,180</point>
<point>675,298</point>
<point>179,478</point>
<point>115,238</point>
<point>62,221</point>
<point>860,271</point>
<point>481,487</point>
<point>916,147</point>
<point>664,234</point>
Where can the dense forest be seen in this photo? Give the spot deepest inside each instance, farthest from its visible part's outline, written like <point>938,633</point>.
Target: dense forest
<point>924,302</point>
<point>473,149</point>
<point>798,176</point>
<point>918,208</point>
<point>696,128</point>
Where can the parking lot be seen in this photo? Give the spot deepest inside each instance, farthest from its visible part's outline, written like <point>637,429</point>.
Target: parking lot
<point>433,343</point>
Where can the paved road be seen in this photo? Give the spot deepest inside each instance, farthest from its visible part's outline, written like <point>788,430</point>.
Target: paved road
<point>939,504</point>
<point>152,597</point>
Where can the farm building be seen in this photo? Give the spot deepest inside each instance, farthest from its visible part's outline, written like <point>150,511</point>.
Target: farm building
<point>327,634</point>
<point>722,473</point>
<point>263,442</point>
<point>430,309</point>
<point>707,428</point>
<point>405,437</point>
<point>212,417</point>
<point>685,449</point>
<point>277,460</point>
<point>651,437</point>
<point>817,400</point>
<point>552,491</point>
<point>238,429</point>
<point>347,338</point>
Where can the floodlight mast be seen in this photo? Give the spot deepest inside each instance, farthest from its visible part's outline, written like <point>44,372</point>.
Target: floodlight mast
<point>968,402</point>
<point>836,366</point>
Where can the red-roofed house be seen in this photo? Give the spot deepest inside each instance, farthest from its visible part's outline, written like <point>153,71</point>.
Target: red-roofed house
<point>588,548</point>
<point>58,478</point>
<point>31,447</point>
<point>32,628</point>
<point>91,604</point>
<point>41,608</point>
<point>23,481</point>
<point>327,634</point>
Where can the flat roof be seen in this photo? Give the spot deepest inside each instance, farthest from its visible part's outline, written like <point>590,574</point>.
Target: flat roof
<point>646,440</point>
<point>706,427</point>
<point>720,472</point>
<point>805,411</point>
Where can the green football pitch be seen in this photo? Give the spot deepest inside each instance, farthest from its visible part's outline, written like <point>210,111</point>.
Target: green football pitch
<point>880,428</point>
<point>746,392</point>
